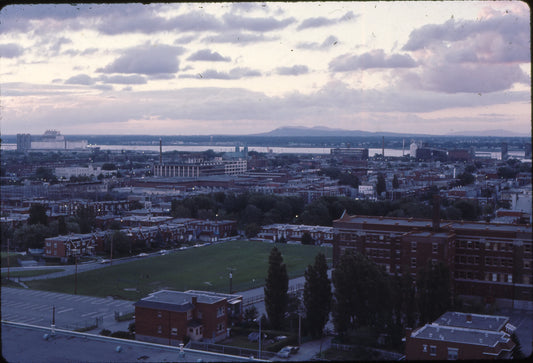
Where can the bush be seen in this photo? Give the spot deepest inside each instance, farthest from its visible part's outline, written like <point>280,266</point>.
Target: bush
<point>276,347</point>
<point>105,332</point>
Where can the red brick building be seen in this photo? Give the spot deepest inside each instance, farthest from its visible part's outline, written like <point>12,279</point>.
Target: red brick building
<point>461,336</point>
<point>167,317</point>
<point>492,261</point>
<point>73,245</point>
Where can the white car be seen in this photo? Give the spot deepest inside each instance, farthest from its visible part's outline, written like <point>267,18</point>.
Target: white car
<point>284,352</point>
<point>105,261</point>
<point>142,254</point>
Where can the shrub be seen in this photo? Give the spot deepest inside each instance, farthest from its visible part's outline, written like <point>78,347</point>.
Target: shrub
<point>105,332</point>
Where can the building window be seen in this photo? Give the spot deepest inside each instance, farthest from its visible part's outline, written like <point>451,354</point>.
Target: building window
<point>494,277</point>
<point>159,329</point>
<point>174,331</point>
<point>413,246</point>
<point>453,353</point>
<point>159,314</point>
<point>220,311</point>
<point>433,350</point>
<point>189,315</point>
<point>435,248</point>
<point>510,278</point>
<point>413,262</point>
<point>424,348</point>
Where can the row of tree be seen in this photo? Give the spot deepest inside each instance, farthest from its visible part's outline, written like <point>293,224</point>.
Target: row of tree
<point>359,295</point>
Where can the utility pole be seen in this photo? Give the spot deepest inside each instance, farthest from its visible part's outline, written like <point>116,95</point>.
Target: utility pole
<point>8,258</point>
<point>76,276</point>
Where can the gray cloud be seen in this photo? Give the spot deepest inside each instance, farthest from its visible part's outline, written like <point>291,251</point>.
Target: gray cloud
<point>147,59</point>
<point>119,79</point>
<point>237,22</point>
<point>207,55</point>
<point>292,71</point>
<point>373,59</point>
<point>235,73</point>
<point>502,38</point>
<point>10,50</point>
<point>471,78</point>
<point>238,38</point>
<point>82,79</point>
<point>326,44</point>
<point>323,21</point>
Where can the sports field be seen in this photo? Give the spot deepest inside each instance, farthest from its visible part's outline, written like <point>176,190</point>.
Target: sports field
<point>203,268</point>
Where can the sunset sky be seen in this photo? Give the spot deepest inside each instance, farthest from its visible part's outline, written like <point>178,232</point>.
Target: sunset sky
<point>242,68</point>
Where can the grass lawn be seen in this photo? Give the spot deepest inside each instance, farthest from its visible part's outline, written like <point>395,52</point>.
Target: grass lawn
<point>204,268</point>
<point>29,273</point>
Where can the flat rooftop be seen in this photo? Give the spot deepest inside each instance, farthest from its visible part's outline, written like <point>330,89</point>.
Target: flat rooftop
<point>472,321</point>
<point>461,335</point>
<point>26,343</point>
<point>182,301</point>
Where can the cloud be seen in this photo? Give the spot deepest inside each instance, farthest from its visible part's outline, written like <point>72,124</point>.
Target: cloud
<point>238,22</point>
<point>119,79</point>
<point>10,50</point>
<point>501,38</point>
<point>238,38</point>
<point>326,44</point>
<point>468,77</point>
<point>323,21</point>
<point>82,79</point>
<point>207,55</point>
<point>373,59</point>
<point>147,59</point>
<point>292,71</point>
<point>235,73</point>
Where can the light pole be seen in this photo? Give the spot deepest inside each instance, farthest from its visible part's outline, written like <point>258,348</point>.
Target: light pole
<point>260,337</point>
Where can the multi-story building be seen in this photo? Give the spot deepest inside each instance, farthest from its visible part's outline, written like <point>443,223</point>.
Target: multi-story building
<point>201,169</point>
<point>73,245</point>
<point>462,336</point>
<point>294,233</point>
<point>488,260</point>
<point>167,317</point>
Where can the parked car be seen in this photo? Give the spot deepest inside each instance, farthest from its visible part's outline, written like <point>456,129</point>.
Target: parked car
<point>284,352</point>
<point>142,254</point>
<point>105,261</point>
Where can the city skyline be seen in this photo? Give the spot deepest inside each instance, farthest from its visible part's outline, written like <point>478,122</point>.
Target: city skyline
<point>245,68</point>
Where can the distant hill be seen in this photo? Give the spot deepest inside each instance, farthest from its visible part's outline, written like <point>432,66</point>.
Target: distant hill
<point>488,133</point>
<point>294,131</point>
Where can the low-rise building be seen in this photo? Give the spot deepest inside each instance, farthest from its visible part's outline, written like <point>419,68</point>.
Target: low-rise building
<point>168,317</point>
<point>461,336</point>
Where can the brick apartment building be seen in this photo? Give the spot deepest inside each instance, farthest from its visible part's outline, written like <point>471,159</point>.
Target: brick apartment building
<point>167,317</point>
<point>73,245</point>
<point>492,261</point>
<point>462,336</point>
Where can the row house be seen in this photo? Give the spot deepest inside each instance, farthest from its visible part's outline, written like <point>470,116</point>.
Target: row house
<point>74,245</point>
<point>294,233</point>
<point>168,317</point>
<point>461,336</point>
<point>488,260</point>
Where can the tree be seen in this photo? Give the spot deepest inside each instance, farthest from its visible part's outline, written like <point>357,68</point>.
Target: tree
<point>517,350</point>
<point>317,295</point>
<point>381,185</point>
<point>307,239</point>
<point>395,182</point>
<point>362,294</point>
<point>38,214</point>
<point>86,218</point>
<point>275,290</point>
<point>250,313</point>
<point>434,293</point>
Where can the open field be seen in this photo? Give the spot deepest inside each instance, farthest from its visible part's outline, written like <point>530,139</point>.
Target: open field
<point>203,268</point>
<point>30,273</point>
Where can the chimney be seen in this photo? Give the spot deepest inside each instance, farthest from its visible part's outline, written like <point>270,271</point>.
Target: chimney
<point>194,300</point>
<point>436,212</point>
<point>160,151</point>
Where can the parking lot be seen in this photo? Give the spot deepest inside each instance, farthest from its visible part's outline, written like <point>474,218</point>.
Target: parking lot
<point>71,311</point>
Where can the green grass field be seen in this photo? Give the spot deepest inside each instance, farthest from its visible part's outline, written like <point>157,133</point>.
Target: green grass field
<point>204,268</point>
<point>29,273</point>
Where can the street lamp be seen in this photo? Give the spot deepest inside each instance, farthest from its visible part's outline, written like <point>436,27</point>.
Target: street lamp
<point>259,355</point>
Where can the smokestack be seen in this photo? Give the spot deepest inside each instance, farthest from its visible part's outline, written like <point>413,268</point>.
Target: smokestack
<point>383,146</point>
<point>160,151</point>
<point>436,212</point>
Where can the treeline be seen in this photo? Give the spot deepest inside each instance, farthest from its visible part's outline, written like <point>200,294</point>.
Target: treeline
<point>252,210</point>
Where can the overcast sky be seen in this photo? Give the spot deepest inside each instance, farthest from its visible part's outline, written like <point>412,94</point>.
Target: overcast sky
<point>224,68</point>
